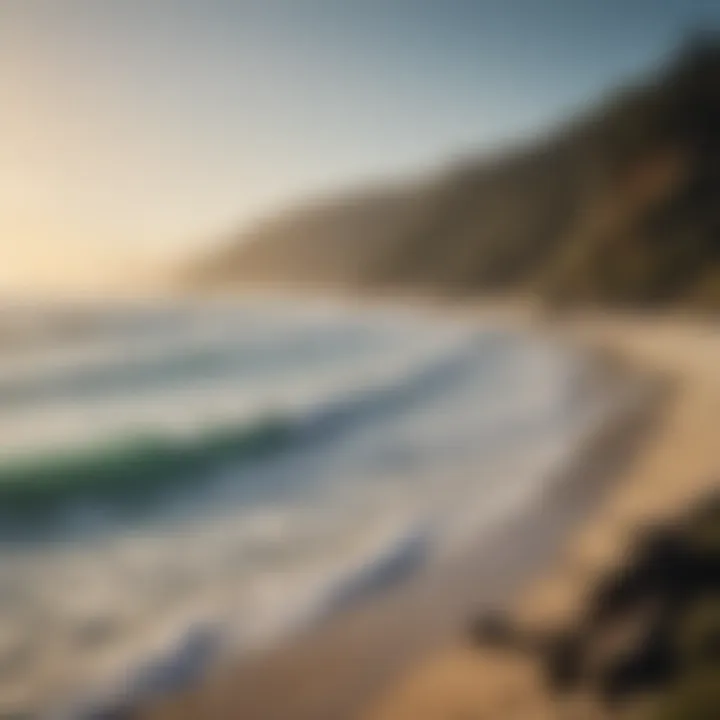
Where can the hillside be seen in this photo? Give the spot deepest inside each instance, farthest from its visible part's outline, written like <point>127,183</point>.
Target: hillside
<point>619,206</point>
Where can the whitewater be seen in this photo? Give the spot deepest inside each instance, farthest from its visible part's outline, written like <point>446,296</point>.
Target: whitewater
<point>183,482</point>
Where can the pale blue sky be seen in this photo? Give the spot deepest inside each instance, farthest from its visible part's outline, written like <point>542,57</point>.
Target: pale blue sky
<point>153,124</point>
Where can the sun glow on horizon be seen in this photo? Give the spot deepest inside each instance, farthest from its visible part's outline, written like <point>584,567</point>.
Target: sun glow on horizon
<point>133,132</point>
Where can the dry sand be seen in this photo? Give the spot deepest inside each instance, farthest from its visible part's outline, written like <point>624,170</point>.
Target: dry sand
<point>402,656</point>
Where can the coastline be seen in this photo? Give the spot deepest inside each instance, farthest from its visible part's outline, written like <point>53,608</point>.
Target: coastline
<point>676,466</point>
<point>366,657</point>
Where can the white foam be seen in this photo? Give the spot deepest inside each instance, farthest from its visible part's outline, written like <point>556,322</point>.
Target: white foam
<point>266,548</point>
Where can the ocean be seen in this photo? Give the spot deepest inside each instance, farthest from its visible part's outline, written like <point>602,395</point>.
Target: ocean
<point>184,481</point>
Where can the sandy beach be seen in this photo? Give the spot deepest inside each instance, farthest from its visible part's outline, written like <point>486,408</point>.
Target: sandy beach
<point>675,466</point>
<point>403,653</point>
<point>360,361</point>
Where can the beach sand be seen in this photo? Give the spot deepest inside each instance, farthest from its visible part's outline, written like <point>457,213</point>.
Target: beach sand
<point>402,654</point>
<point>678,464</point>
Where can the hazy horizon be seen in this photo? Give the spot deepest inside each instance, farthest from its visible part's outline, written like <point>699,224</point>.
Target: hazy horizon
<point>134,132</point>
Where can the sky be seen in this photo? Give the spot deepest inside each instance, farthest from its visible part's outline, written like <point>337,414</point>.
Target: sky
<point>152,128</point>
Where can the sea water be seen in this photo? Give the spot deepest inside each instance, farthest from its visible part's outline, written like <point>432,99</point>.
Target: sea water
<point>182,481</point>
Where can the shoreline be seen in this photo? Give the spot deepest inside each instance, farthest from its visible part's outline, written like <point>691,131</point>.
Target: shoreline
<point>677,465</point>
<point>368,648</point>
